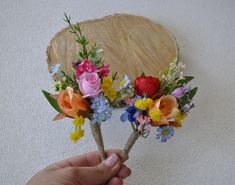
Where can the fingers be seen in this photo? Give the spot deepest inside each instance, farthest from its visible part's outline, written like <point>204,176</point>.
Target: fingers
<point>124,172</point>
<point>99,174</point>
<point>93,158</point>
<point>88,159</point>
<point>115,181</point>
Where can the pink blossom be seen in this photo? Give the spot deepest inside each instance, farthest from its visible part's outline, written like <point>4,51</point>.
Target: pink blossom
<point>89,84</point>
<point>85,66</point>
<point>144,122</point>
<point>104,70</point>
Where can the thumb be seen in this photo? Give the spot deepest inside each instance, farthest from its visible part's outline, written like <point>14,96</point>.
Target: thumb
<point>101,173</point>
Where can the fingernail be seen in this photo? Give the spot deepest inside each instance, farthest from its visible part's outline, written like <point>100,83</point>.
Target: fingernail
<point>111,160</point>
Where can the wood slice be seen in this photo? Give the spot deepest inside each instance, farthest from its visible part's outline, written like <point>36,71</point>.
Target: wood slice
<point>131,45</point>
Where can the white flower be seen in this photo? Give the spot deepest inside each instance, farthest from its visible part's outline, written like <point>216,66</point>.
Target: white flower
<point>181,66</point>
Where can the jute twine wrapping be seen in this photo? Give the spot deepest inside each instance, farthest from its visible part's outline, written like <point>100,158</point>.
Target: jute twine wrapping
<point>96,132</point>
<point>130,142</point>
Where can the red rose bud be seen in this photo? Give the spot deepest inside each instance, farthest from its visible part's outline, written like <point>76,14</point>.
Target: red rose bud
<point>147,85</point>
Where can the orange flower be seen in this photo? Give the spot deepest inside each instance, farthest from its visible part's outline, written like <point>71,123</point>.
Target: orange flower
<point>163,109</point>
<point>71,103</point>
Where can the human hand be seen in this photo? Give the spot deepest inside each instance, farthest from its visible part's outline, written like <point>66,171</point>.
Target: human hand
<point>84,169</point>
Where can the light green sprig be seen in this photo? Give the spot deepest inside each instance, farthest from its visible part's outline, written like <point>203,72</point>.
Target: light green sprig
<point>94,53</point>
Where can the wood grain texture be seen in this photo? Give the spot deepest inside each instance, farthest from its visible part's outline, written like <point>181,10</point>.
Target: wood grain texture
<point>131,45</point>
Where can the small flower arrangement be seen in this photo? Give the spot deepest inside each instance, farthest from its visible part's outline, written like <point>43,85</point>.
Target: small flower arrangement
<point>159,102</point>
<point>89,93</point>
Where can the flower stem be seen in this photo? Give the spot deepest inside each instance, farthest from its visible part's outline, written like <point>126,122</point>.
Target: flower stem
<point>130,143</point>
<point>97,135</point>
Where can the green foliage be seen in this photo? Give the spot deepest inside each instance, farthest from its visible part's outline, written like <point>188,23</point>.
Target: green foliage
<point>185,80</point>
<point>142,74</point>
<point>187,98</point>
<point>114,76</point>
<point>192,92</point>
<point>80,38</point>
<point>165,71</point>
<point>94,54</point>
<point>175,60</point>
<point>52,101</point>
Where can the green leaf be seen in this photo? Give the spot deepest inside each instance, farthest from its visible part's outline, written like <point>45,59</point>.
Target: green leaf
<point>165,70</point>
<point>52,101</point>
<point>174,60</point>
<point>185,80</point>
<point>142,74</point>
<point>188,78</point>
<point>114,76</point>
<point>192,92</point>
<point>183,101</point>
<point>81,55</point>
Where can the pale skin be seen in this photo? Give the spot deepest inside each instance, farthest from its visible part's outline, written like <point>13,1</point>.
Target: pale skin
<point>85,169</point>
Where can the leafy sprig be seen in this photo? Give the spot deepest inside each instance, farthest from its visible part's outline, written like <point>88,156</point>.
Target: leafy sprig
<point>187,98</point>
<point>81,39</point>
<point>94,54</point>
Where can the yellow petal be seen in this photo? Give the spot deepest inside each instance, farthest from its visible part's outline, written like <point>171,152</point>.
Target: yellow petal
<point>78,121</point>
<point>155,114</point>
<point>76,134</point>
<point>108,81</point>
<point>122,83</point>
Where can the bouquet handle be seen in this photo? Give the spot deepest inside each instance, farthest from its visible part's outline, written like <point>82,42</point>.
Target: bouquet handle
<point>97,135</point>
<point>130,143</point>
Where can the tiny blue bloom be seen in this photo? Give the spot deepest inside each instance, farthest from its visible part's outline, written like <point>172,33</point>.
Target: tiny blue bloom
<point>55,69</point>
<point>98,104</point>
<point>164,133</point>
<point>102,110</point>
<point>102,116</point>
<point>129,114</point>
<point>124,117</point>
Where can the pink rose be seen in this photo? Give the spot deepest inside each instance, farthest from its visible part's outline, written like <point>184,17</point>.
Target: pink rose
<point>104,70</point>
<point>85,66</point>
<point>89,84</point>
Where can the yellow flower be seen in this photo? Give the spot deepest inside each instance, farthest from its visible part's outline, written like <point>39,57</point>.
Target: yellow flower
<point>149,102</point>
<point>111,93</point>
<point>155,114</point>
<point>180,116</point>
<point>76,134</point>
<point>139,103</point>
<point>108,90</point>
<point>78,121</point>
<point>122,83</point>
<point>143,104</point>
<point>107,83</point>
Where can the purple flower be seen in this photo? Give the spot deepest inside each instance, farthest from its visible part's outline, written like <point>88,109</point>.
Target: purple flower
<point>180,91</point>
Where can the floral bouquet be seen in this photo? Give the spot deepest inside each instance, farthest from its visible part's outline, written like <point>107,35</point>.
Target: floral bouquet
<point>89,92</point>
<point>163,103</point>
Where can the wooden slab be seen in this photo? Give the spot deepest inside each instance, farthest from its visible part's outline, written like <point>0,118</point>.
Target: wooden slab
<point>131,44</point>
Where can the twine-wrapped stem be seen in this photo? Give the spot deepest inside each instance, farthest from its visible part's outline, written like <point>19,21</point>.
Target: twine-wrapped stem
<point>97,135</point>
<point>130,142</point>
